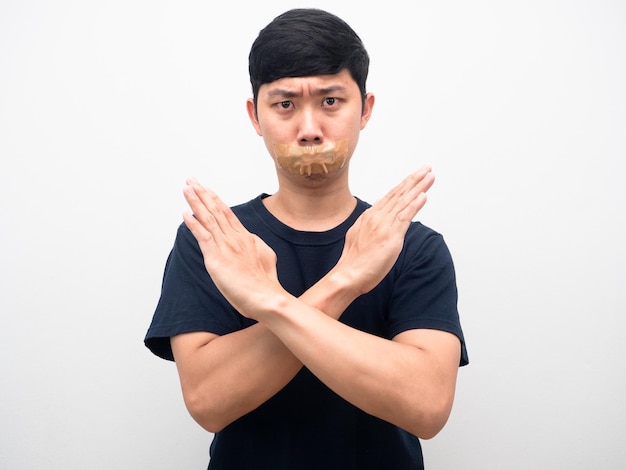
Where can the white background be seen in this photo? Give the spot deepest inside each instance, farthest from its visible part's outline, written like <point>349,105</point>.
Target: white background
<point>106,108</point>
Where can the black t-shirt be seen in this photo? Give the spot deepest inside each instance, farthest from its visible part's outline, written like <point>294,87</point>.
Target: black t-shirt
<point>306,425</point>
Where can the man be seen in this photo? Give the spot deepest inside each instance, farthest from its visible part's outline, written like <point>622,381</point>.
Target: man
<point>309,329</point>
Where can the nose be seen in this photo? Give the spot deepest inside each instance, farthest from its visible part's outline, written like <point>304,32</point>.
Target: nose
<point>310,131</point>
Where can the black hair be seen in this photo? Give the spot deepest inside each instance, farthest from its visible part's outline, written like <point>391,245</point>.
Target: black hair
<point>304,42</point>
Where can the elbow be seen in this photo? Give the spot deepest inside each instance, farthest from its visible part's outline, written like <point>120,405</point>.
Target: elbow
<point>204,412</point>
<point>430,430</point>
<point>432,420</point>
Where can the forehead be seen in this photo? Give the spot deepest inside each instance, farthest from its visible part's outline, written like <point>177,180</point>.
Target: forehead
<point>341,82</point>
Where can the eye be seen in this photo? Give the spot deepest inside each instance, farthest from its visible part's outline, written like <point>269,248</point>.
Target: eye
<point>285,104</point>
<point>330,101</point>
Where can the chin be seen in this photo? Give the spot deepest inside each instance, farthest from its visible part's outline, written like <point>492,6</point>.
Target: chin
<point>317,177</point>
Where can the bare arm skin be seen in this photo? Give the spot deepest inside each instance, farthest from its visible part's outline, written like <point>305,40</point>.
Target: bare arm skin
<point>225,377</point>
<point>409,381</point>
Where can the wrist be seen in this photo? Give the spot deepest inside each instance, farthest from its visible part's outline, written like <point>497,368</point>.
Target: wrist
<point>332,294</point>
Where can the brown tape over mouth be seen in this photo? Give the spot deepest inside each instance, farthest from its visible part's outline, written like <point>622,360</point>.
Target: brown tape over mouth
<point>312,159</point>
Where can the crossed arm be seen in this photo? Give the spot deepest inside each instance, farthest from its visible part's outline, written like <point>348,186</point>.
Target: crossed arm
<point>408,381</point>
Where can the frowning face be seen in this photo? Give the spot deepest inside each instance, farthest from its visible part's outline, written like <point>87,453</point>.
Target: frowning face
<point>317,114</point>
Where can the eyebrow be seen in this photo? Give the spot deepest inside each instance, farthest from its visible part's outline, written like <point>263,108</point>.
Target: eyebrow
<point>283,93</point>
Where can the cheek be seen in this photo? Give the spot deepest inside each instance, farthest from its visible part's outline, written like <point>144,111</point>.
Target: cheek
<point>274,130</point>
<point>355,132</point>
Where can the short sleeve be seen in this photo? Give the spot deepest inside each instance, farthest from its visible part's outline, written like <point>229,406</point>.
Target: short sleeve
<point>425,290</point>
<point>189,300</point>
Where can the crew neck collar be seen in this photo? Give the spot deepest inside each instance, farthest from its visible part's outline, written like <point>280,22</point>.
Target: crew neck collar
<point>301,237</point>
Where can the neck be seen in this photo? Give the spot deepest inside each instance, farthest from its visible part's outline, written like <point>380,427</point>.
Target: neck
<point>314,209</point>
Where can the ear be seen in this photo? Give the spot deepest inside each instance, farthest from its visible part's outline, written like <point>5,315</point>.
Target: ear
<point>252,114</point>
<point>368,106</point>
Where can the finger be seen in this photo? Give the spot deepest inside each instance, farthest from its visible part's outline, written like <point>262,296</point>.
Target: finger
<point>223,214</point>
<point>404,206</point>
<point>201,217</point>
<point>407,214</point>
<point>405,200</point>
<point>204,202</point>
<point>408,183</point>
<point>197,229</point>
<point>415,183</point>
<point>418,186</point>
<point>413,201</point>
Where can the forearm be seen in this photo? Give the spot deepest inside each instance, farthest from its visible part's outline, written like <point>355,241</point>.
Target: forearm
<point>228,376</point>
<point>397,382</point>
